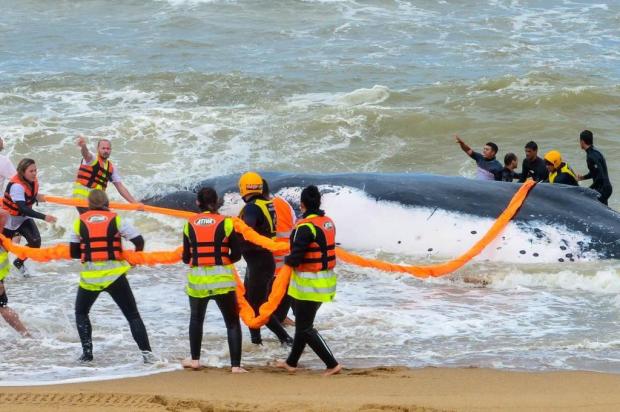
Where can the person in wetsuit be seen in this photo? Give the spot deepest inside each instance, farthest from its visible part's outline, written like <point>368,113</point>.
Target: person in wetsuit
<point>559,171</point>
<point>488,167</point>
<point>20,194</point>
<point>210,248</point>
<point>96,241</point>
<point>313,280</point>
<point>510,164</point>
<point>597,167</point>
<point>259,214</point>
<point>533,167</point>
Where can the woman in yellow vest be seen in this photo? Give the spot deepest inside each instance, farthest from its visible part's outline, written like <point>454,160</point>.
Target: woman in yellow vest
<point>96,241</point>
<point>313,281</point>
<point>210,248</point>
<point>559,171</point>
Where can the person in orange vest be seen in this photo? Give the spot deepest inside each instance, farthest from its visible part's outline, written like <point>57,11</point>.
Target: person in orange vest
<point>313,280</point>
<point>285,223</point>
<point>96,171</point>
<point>20,194</point>
<point>210,248</point>
<point>96,241</point>
<point>258,213</point>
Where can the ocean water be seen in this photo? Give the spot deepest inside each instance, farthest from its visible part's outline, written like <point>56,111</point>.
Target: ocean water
<point>193,89</point>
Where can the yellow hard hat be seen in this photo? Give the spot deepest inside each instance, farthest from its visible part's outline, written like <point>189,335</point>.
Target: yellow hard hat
<point>250,182</point>
<point>554,157</point>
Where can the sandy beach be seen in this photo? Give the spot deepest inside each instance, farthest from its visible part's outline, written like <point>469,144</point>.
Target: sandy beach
<point>376,389</point>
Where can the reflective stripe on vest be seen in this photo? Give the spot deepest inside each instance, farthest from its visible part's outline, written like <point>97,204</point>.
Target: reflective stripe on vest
<point>30,195</point>
<point>204,281</point>
<point>94,175</point>
<point>208,239</point>
<point>266,206</point>
<point>313,286</point>
<point>97,276</point>
<point>564,169</point>
<point>5,267</point>
<point>321,253</point>
<point>100,239</point>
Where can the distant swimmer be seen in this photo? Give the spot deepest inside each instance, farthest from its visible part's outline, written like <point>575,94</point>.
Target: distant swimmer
<point>533,167</point>
<point>96,172</point>
<point>96,241</point>
<point>20,194</point>
<point>510,165</point>
<point>259,213</point>
<point>597,167</point>
<point>210,248</point>
<point>9,315</point>
<point>285,223</point>
<point>559,171</point>
<point>488,167</point>
<point>313,281</point>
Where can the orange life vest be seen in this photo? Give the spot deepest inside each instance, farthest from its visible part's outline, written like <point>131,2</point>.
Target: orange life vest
<point>30,192</point>
<point>208,241</point>
<point>285,223</point>
<point>100,238</point>
<point>95,175</point>
<point>320,254</point>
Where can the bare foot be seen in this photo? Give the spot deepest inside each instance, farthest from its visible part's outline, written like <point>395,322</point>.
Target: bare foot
<point>280,363</point>
<point>238,369</point>
<point>288,322</point>
<point>333,371</point>
<point>193,364</point>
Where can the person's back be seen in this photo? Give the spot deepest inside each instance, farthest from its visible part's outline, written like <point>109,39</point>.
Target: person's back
<point>597,167</point>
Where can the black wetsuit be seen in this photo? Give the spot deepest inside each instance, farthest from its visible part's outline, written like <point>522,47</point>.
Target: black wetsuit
<point>304,310</point>
<point>121,293</point>
<point>260,269</point>
<point>535,169</point>
<point>227,303</point>
<point>508,175</point>
<point>597,171</point>
<point>28,229</point>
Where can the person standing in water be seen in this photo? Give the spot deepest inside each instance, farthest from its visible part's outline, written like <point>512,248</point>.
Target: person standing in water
<point>96,241</point>
<point>597,167</point>
<point>510,165</point>
<point>210,248</point>
<point>9,315</point>
<point>488,167</point>
<point>533,167</point>
<point>313,280</point>
<point>559,171</point>
<point>20,194</point>
<point>96,171</point>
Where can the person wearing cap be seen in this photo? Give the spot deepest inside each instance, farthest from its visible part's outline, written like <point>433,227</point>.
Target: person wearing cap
<point>96,241</point>
<point>489,168</point>
<point>96,171</point>
<point>259,213</point>
<point>559,171</point>
<point>597,167</point>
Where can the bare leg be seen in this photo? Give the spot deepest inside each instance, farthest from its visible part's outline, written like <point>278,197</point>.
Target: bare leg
<point>12,319</point>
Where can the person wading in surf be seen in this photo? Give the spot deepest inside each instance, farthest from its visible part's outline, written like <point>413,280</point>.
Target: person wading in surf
<point>488,167</point>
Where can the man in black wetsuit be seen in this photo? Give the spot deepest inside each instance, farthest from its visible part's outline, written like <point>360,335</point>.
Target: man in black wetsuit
<point>510,164</point>
<point>533,166</point>
<point>488,167</point>
<point>597,167</point>
<point>259,214</point>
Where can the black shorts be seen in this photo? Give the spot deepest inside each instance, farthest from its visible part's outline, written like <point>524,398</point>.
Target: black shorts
<point>3,298</point>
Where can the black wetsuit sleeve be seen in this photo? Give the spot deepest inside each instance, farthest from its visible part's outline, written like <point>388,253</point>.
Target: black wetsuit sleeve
<point>187,255</point>
<point>302,237</point>
<point>234,244</point>
<point>74,249</point>
<point>592,171</point>
<point>476,156</point>
<point>27,211</point>
<point>252,215</point>
<point>524,171</point>
<point>138,243</point>
<point>541,172</point>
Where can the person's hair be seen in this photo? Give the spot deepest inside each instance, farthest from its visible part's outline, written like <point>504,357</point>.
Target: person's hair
<point>98,200</point>
<point>532,145</point>
<point>587,137</point>
<point>509,158</point>
<point>207,199</point>
<point>265,189</point>
<point>493,146</point>
<point>101,141</point>
<point>311,197</point>
<point>22,166</point>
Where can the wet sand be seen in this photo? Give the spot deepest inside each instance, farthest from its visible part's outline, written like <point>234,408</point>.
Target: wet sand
<point>376,389</point>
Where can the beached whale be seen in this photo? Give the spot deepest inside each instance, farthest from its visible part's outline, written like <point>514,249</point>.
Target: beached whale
<point>574,210</point>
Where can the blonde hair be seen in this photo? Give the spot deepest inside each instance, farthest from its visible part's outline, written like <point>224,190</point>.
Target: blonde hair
<point>98,200</point>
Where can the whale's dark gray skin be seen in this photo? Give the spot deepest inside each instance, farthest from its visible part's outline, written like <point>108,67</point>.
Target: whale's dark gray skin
<point>573,207</point>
